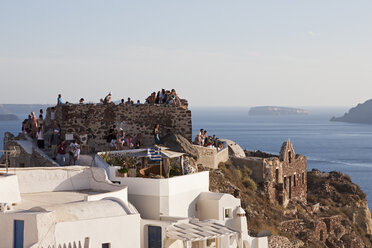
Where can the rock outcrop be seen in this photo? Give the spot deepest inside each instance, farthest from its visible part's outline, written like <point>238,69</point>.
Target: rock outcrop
<point>336,213</point>
<point>235,150</point>
<point>178,143</point>
<point>362,113</point>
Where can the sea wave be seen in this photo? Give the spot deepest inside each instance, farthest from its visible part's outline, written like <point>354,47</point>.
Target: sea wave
<point>327,161</point>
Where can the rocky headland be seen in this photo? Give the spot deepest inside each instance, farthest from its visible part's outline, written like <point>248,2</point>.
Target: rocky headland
<point>362,113</point>
<point>276,110</point>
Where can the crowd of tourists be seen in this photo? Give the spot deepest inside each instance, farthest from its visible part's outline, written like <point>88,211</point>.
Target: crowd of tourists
<point>68,152</point>
<point>164,97</point>
<point>202,139</point>
<point>119,140</point>
<point>34,128</point>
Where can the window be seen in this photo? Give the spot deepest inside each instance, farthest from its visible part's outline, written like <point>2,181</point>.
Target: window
<point>303,177</point>
<point>294,180</point>
<point>154,237</point>
<point>285,182</point>
<point>289,156</point>
<point>228,213</point>
<point>290,187</point>
<point>18,233</point>
<point>277,175</point>
<point>106,245</point>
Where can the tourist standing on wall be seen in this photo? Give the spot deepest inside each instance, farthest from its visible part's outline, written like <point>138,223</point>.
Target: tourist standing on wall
<point>54,141</point>
<point>53,113</point>
<point>34,124</point>
<point>40,121</point>
<point>157,134</point>
<point>107,98</point>
<point>40,138</point>
<point>59,100</point>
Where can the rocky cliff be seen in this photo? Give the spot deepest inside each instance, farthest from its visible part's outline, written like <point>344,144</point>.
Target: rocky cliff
<point>362,113</point>
<point>335,215</point>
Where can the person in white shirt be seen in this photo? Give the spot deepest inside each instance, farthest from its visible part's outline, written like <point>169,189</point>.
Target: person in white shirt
<point>77,154</point>
<point>40,138</point>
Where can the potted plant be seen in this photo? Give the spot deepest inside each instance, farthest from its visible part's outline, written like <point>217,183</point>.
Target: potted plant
<point>132,167</point>
<point>122,172</point>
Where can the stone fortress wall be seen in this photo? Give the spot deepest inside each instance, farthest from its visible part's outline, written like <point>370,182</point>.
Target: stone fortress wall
<point>96,120</point>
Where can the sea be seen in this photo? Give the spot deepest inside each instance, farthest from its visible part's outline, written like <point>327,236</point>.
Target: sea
<point>328,146</point>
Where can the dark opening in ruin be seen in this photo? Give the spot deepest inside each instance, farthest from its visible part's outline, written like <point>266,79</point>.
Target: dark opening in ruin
<point>277,175</point>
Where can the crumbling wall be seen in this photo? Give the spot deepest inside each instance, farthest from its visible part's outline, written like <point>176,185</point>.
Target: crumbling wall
<point>30,155</point>
<point>210,157</point>
<point>283,177</point>
<point>96,120</point>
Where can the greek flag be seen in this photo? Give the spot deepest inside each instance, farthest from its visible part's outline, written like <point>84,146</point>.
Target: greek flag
<point>154,154</point>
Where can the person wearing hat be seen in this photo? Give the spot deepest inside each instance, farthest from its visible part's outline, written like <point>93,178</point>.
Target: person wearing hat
<point>54,140</point>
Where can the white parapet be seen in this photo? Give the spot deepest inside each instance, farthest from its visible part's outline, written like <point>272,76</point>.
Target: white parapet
<point>9,189</point>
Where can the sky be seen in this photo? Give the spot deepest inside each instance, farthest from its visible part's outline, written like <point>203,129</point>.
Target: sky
<point>214,53</point>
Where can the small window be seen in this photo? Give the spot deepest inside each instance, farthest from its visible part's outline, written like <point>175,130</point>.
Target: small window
<point>289,156</point>
<point>285,182</point>
<point>106,245</point>
<point>303,177</point>
<point>277,175</point>
<point>228,213</point>
<point>294,180</point>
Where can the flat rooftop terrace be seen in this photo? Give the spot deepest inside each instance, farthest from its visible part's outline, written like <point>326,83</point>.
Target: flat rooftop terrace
<point>45,199</point>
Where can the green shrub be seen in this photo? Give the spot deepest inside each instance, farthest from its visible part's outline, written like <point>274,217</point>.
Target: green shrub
<point>249,183</point>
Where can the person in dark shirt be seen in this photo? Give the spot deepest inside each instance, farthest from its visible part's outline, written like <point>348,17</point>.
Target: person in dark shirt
<point>61,153</point>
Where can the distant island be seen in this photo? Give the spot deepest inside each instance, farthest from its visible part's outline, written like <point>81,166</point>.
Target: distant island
<point>8,117</point>
<point>21,109</point>
<point>362,113</point>
<point>276,110</point>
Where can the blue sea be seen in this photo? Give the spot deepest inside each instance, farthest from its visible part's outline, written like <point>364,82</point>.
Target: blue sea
<point>328,146</point>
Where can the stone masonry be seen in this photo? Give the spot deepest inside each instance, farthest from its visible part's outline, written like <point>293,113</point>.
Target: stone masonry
<point>96,120</point>
<point>283,178</point>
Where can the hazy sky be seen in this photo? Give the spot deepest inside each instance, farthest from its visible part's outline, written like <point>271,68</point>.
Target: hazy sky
<point>294,53</point>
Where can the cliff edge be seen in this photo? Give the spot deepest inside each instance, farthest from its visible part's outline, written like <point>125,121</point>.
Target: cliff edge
<point>362,113</point>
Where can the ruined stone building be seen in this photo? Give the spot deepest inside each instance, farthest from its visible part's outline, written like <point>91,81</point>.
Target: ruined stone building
<point>283,177</point>
<point>95,120</point>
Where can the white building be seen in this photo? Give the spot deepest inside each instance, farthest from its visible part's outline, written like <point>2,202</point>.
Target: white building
<point>78,206</point>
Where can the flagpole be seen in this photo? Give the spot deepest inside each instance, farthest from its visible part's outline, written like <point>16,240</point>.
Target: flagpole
<point>161,162</point>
